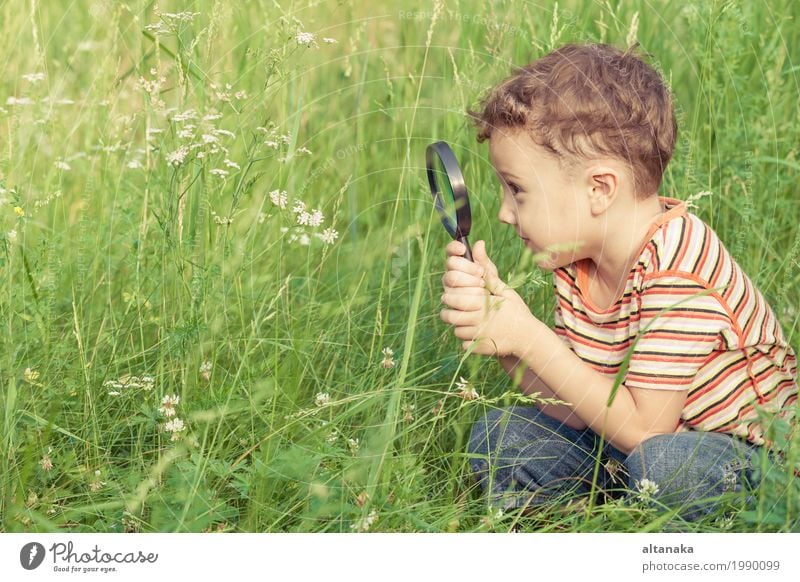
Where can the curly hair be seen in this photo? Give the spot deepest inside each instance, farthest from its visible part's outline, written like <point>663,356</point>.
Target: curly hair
<point>588,100</point>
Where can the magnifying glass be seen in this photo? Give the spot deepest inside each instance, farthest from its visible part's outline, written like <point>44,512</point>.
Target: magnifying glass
<point>449,192</point>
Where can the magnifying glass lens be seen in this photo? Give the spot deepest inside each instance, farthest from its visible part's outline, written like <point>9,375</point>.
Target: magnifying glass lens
<point>446,203</point>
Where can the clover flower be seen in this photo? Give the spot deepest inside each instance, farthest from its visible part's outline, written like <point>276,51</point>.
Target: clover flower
<point>175,426</point>
<point>364,523</point>
<point>647,489</point>
<point>322,399</point>
<point>168,405</point>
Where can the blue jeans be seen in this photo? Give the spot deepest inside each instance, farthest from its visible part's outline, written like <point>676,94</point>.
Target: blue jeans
<point>523,458</point>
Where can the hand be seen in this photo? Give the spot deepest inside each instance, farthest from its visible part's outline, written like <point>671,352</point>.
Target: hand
<point>488,315</point>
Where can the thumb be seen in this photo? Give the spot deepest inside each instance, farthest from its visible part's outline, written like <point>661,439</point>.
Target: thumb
<point>482,258</point>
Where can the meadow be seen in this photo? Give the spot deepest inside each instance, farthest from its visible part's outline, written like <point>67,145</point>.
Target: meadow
<point>220,265</point>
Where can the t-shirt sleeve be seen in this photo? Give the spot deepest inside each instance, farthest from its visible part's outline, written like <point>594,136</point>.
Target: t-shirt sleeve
<point>681,324</point>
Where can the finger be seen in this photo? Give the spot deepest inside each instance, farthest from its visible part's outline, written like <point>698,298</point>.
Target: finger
<point>457,318</point>
<point>455,249</point>
<point>495,285</point>
<point>471,291</point>
<point>459,279</point>
<point>466,302</point>
<point>482,257</point>
<point>465,266</point>
<point>465,332</point>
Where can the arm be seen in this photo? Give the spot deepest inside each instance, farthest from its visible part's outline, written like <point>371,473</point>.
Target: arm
<point>635,413</point>
<point>530,382</point>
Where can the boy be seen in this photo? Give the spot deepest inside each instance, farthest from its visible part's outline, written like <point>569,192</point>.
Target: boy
<point>579,140</point>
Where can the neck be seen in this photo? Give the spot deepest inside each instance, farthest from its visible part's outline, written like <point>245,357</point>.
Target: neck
<point>622,235</point>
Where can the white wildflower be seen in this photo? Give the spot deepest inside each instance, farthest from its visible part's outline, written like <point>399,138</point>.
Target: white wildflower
<point>322,399</point>
<point>212,116</point>
<point>306,38</point>
<point>279,198</point>
<point>303,151</point>
<point>329,235</point>
<point>177,157</point>
<point>134,165</point>
<point>224,132</point>
<point>304,239</point>
<point>30,375</point>
<point>219,172</point>
<point>388,362</point>
<point>329,40</point>
<point>271,144</point>
<point>46,462</point>
<point>96,484</point>
<point>353,445</point>
<point>168,405</point>
<point>62,165</point>
<point>33,77</point>
<point>316,218</point>
<point>364,523</point>
<point>205,370</point>
<point>304,218</point>
<point>647,489</point>
<point>299,206</point>
<point>209,138</point>
<point>232,164</point>
<point>174,426</point>
<point>466,390</point>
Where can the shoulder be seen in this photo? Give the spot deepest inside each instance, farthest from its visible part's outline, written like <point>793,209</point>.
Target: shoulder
<point>687,246</point>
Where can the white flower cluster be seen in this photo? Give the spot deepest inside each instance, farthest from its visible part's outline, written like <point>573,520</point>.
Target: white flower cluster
<point>364,523</point>
<point>303,217</point>
<point>202,138</point>
<point>168,408</point>
<point>306,38</point>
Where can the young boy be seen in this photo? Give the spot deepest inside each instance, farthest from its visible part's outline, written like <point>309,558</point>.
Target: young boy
<point>579,140</point>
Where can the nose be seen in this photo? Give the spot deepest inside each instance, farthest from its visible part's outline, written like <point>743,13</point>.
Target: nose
<point>506,215</point>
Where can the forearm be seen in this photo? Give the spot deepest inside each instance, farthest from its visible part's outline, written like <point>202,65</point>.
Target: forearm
<point>530,383</point>
<point>573,380</point>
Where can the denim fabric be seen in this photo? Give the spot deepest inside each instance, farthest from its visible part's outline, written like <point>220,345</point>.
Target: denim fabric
<point>523,458</point>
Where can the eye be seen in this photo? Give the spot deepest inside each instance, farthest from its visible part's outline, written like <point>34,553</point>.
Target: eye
<point>514,188</point>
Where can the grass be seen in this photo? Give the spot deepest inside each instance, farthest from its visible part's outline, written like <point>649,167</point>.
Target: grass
<point>116,265</point>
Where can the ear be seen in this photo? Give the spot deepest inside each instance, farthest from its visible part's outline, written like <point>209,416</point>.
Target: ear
<point>603,186</point>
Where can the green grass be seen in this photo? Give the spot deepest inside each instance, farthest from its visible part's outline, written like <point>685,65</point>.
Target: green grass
<point>152,270</point>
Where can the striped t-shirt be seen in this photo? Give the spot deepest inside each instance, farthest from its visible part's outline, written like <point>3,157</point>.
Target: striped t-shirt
<point>698,323</point>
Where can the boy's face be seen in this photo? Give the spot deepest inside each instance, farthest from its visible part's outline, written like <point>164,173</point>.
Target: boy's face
<point>546,206</point>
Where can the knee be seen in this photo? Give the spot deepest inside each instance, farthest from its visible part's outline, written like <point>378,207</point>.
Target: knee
<point>682,462</point>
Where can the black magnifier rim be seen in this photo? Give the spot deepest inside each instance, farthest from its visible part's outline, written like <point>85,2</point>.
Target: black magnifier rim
<point>460,198</point>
